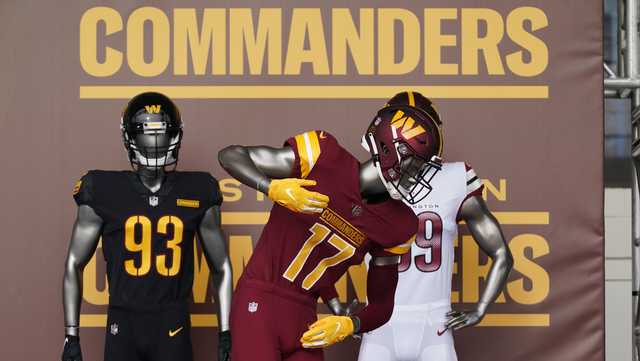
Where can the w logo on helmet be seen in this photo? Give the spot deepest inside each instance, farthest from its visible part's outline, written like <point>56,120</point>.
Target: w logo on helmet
<point>152,109</point>
<point>408,126</point>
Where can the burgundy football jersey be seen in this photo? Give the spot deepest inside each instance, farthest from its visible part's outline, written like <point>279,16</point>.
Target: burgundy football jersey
<point>308,253</point>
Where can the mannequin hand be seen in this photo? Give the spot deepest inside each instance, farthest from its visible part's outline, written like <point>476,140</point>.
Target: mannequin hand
<point>224,346</point>
<point>339,310</point>
<point>461,319</point>
<point>327,331</point>
<point>71,351</point>
<point>289,193</point>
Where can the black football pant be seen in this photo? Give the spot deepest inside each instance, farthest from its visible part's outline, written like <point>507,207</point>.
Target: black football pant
<point>163,335</point>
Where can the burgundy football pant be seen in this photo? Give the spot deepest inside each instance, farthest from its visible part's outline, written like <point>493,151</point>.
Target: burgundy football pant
<point>267,323</point>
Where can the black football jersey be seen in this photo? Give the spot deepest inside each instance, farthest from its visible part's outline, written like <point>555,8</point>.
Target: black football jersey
<point>147,238</point>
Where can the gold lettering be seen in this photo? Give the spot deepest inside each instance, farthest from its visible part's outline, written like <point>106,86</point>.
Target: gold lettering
<point>455,295</point>
<point>359,41</point>
<point>536,47</point>
<point>160,41</point>
<point>434,41</point>
<point>89,41</point>
<point>539,278</point>
<point>211,39</point>
<point>90,291</point>
<point>387,19</point>
<point>499,193</point>
<point>230,189</point>
<point>242,35</point>
<point>306,21</point>
<point>473,43</point>
<point>201,274</point>
<point>473,272</point>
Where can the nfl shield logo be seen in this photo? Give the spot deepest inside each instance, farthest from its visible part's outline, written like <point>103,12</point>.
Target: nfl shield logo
<point>114,329</point>
<point>356,210</point>
<point>253,306</point>
<point>153,201</point>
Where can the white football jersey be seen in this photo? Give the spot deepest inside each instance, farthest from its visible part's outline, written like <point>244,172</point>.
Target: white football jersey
<point>425,272</point>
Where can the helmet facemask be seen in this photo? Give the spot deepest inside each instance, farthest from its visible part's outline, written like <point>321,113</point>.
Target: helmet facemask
<point>415,175</point>
<point>152,143</point>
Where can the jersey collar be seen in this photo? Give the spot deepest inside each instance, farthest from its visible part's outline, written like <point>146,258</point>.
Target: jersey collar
<point>164,190</point>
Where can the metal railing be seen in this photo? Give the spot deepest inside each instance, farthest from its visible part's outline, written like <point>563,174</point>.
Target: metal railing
<point>626,84</point>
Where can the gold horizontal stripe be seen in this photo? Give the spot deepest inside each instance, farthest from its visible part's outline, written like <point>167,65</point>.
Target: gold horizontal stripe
<point>490,320</point>
<point>204,320</point>
<point>93,320</point>
<point>245,218</point>
<point>505,218</point>
<point>197,320</point>
<point>528,218</point>
<point>316,91</point>
<point>516,320</point>
<point>190,203</point>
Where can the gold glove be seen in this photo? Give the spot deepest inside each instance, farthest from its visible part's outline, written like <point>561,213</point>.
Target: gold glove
<point>289,193</point>
<point>327,331</point>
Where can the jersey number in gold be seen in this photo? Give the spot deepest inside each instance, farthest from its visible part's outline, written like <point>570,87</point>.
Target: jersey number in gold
<point>319,233</point>
<point>144,247</point>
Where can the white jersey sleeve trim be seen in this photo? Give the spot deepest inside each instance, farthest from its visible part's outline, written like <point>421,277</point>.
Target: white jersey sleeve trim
<point>473,182</point>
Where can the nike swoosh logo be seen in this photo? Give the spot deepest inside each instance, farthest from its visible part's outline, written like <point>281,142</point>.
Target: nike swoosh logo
<point>173,333</point>
<point>441,333</point>
<point>289,192</point>
<point>337,329</point>
<point>322,136</point>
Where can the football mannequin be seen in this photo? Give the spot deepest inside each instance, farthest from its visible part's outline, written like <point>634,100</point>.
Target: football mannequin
<point>329,212</point>
<point>420,327</point>
<point>147,219</point>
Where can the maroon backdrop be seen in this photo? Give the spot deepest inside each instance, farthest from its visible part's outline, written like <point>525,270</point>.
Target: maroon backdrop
<point>518,84</point>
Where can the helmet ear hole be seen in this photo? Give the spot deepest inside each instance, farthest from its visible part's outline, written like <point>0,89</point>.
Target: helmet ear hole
<point>384,148</point>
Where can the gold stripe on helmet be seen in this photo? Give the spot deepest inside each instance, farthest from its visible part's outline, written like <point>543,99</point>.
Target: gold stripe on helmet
<point>412,101</point>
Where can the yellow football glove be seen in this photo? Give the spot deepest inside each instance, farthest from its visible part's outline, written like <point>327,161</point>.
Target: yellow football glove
<point>288,192</point>
<point>327,331</point>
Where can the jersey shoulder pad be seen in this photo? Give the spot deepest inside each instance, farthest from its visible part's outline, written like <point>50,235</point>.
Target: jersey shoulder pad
<point>473,187</point>
<point>206,185</point>
<point>474,184</point>
<point>310,148</point>
<point>83,189</point>
<point>214,196</point>
<point>95,185</point>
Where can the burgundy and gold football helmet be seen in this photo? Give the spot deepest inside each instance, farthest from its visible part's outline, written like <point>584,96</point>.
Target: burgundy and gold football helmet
<point>405,142</point>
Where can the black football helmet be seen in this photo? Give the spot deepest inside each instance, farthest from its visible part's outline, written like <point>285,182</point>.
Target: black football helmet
<point>152,131</point>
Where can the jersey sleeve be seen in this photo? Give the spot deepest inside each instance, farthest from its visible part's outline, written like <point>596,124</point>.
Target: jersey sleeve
<point>308,147</point>
<point>474,184</point>
<point>473,188</point>
<point>213,195</point>
<point>398,250</point>
<point>83,190</point>
<point>396,230</point>
<point>381,287</point>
